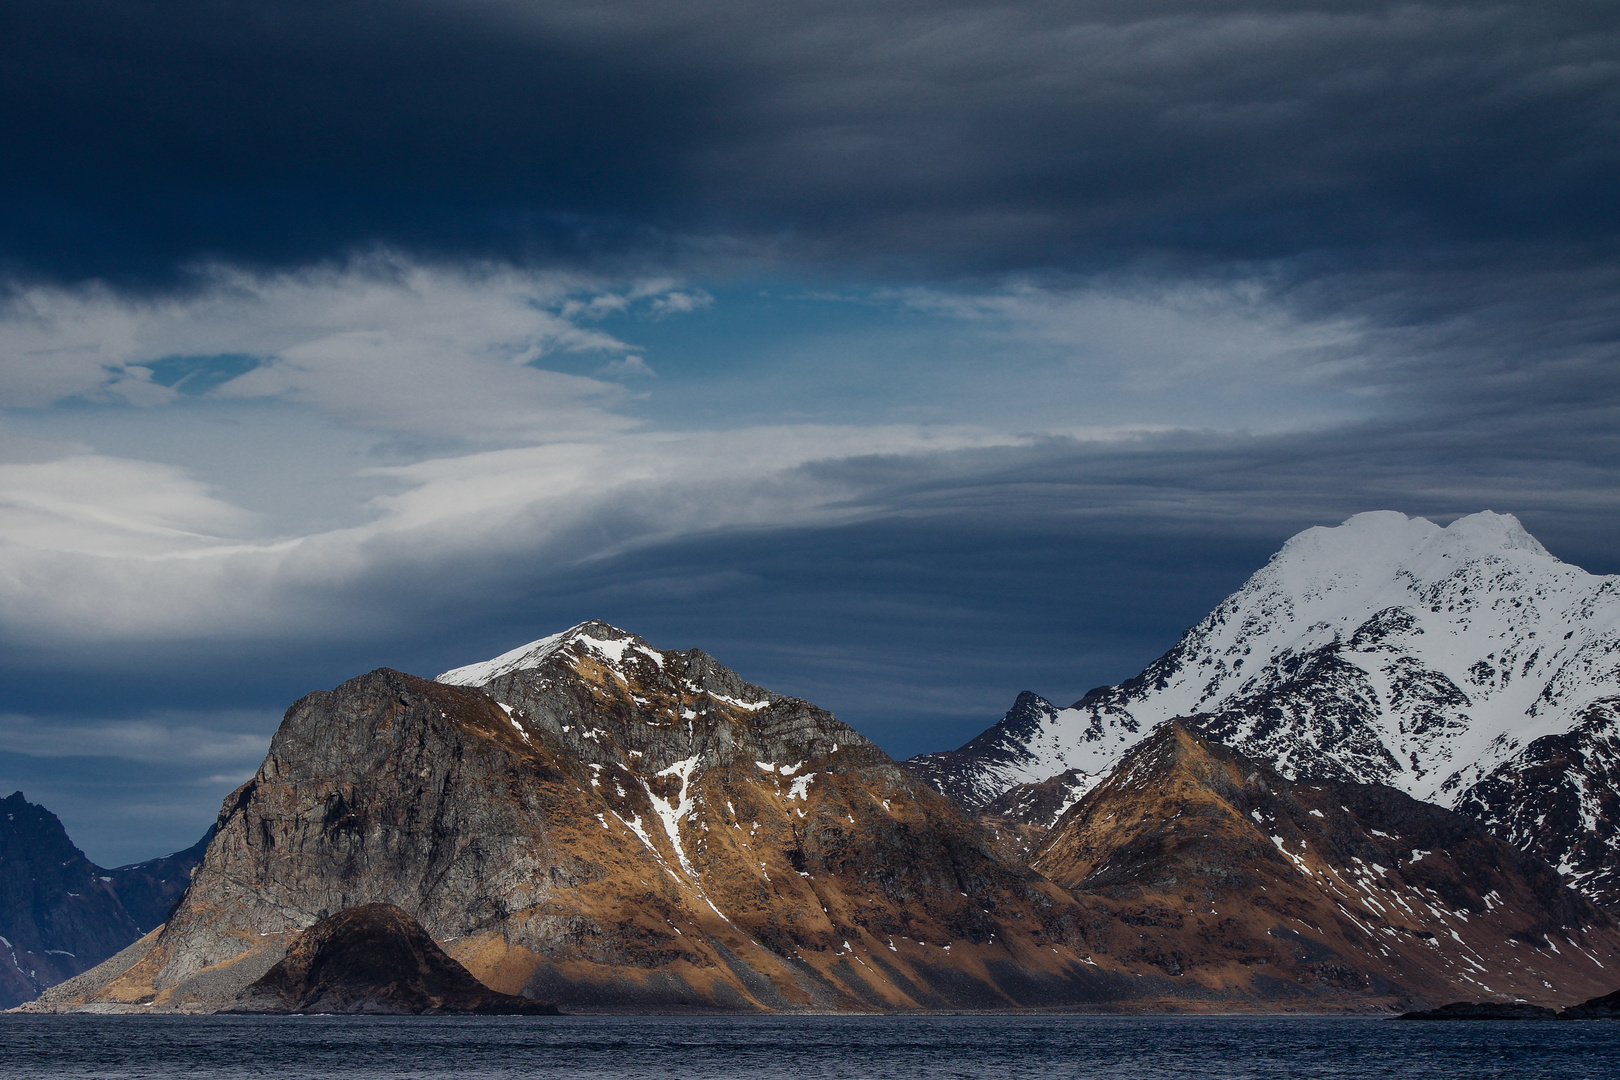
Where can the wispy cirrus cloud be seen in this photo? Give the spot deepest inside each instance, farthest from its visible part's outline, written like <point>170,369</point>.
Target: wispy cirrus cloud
<point>382,343</point>
<point>212,738</point>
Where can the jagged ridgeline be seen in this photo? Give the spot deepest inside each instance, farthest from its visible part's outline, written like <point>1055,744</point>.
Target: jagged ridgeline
<point>593,821</point>
<point>60,914</point>
<point>597,823</point>
<point>1463,665</point>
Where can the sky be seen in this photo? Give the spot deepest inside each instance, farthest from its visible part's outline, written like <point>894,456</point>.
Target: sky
<point>901,355</point>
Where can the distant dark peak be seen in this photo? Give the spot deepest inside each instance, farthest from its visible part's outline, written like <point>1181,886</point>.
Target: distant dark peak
<point>375,959</point>
<point>1029,710</point>
<point>30,833</point>
<point>1003,743</point>
<point>1096,693</point>
<point>194,851</point>
<point>149,890</point>
<point>59,913</point>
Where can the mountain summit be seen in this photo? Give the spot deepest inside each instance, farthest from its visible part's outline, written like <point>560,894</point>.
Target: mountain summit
<point>1385,650</point>
<point>596,822</point>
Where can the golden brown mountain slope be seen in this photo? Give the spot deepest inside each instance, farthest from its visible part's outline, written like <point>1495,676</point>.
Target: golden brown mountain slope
<point>1223,873</point>
<point>605,825</point>
<point>618,827</point>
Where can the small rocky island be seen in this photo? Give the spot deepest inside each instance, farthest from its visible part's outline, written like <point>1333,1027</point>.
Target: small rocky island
<point>375,959</point>
<point>1484,1010</point>
<point>1606,1007</point>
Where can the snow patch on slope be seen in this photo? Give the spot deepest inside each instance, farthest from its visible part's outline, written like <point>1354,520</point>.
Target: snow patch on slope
<point>611,650</point>
<point>524,656</point>
<point>671,811</point>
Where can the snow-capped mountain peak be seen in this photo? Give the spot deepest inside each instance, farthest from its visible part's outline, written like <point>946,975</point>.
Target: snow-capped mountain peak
<point>608,643</point>
<point>1386,649</point>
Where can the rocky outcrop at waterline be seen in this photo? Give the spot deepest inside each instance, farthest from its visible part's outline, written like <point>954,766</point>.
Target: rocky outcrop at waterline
<point>375,959</point>
<point>1483,1010</point>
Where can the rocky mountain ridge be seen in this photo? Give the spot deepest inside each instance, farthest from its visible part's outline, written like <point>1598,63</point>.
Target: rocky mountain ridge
<point>1385,650</point>
<point>615,827</point>
<point>60,914</point>
<point>1228,871</point>
<point>592,821</point>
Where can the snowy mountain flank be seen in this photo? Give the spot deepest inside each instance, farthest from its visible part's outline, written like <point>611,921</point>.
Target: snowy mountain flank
<point>1451,663</point>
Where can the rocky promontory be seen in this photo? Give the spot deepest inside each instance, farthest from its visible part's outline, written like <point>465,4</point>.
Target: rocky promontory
<point>1606,1007</point>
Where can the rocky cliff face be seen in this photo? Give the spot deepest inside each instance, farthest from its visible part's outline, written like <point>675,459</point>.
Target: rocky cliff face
<point>1387,650</point>
<point>60,914</point>
<point>1222,872</point>
<point>603,824</point>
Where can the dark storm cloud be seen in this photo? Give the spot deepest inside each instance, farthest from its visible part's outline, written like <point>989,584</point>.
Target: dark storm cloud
<point>145,133</point>
<point>925,138</point>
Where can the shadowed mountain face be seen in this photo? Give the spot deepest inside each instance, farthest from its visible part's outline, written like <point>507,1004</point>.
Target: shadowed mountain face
<point>1387,650</point>
<point>149,890</point>
<point>60,914</point>
<point>1229,873</point>
<point>375,959</point>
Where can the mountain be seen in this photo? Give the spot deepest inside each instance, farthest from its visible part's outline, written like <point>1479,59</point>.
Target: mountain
<point>60,914</point>
<point>1386,650</point>
<point>591,821</point>
<point>595,822</point>
<point>1224,873</point>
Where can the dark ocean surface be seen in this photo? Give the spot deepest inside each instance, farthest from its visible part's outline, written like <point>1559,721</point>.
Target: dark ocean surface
<point>823,1048</point>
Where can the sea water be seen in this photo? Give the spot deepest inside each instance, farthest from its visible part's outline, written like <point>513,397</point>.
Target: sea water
<point>812,1047</point>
